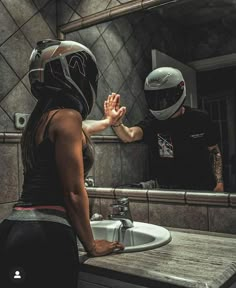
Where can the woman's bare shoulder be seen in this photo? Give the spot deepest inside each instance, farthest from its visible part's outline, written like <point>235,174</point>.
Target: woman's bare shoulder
<point>66,121</point>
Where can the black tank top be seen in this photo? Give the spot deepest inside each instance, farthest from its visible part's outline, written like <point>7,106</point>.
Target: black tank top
<point>42,183</point>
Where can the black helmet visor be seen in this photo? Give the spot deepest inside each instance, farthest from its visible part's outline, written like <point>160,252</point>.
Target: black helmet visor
<point>165,98</point>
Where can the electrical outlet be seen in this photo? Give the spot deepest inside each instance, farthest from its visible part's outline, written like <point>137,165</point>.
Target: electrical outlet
<point>21,120</point>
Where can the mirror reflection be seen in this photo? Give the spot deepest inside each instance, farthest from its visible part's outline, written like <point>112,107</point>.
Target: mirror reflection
<point>198,39</point>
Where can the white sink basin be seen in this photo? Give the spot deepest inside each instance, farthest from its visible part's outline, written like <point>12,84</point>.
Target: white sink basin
<point>142,236</point>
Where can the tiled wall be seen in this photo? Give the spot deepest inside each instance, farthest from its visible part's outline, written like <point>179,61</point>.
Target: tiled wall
<point>119,164</point>
<point>123,51</point>
<point>214,212</point>
<point>22,23</point>
<point>210,41</point>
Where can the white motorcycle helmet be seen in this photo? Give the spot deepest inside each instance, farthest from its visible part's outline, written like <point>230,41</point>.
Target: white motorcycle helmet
<point>165,92</point>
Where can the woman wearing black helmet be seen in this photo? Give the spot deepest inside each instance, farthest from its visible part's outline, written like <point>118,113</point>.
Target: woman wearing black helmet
<point>38,240</point>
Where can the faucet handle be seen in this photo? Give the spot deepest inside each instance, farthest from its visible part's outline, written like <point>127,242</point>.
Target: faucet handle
<point>119,209</point>
<point>123,201</point>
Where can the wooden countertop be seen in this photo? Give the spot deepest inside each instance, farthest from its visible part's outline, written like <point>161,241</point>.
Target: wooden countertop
<point>191,259</point>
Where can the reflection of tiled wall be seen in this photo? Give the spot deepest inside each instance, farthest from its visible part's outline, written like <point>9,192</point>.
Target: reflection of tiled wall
<point>118,164</point>
<point>214,40</point>
<point>123,51</point>
<point>176,209</point>
<point>22,25</point>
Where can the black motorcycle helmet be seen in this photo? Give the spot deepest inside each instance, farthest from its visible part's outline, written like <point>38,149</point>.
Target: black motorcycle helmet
<point>64,68</point>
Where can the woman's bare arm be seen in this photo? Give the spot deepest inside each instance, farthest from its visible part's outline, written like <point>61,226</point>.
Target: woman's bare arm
<point>92,127</point>
<point>67,136</point>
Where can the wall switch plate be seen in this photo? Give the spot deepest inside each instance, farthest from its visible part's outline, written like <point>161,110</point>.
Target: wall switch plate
<point>21,120</point>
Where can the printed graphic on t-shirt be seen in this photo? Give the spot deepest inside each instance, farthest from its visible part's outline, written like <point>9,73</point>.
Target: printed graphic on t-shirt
<point>165,146</point>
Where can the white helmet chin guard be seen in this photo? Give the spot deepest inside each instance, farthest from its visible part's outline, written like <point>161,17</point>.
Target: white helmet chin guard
<point>165,92</point>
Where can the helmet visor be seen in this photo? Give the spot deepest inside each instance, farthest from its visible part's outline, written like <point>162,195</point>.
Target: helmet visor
<point>164,98</point>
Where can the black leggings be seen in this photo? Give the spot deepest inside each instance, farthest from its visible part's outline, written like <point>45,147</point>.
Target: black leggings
<point>37,254</point>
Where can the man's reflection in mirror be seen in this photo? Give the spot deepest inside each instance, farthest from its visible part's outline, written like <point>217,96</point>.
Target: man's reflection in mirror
<point>183,141</point>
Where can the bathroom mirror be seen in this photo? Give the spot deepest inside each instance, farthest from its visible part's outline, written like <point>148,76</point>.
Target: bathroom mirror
<point>199,35</point>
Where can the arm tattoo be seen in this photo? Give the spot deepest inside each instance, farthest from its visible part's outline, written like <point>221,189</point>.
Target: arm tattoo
<point>216,160</point>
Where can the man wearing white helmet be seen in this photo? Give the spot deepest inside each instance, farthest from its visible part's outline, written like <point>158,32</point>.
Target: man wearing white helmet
<point>182,140</point>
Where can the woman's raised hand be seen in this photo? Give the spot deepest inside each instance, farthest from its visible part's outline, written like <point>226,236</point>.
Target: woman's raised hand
<point>112,110</point>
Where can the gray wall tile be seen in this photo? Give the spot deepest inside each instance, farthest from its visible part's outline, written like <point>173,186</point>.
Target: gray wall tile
<point>103,91</point>
<point>113,3</point>
<point>40,3</point>
<point>106,209</point>
<point>139,211</point>
<point>107,165</point>
<point>8,78</point>
<point>113,39</point>
<point>74,17</point>
<point>134,49</point>
<point>124,28</point>
<point>73,3</point>
<point>6,123</point>
<point>37,29</point>
<point>90,35</point>
<point>103,26</point>
<point>113,77</point>
<point>124,1</point>
<point>18,100</point>
<point>137,113</point>
<point>7,25</point>
<point>135,83</point>
<point>65,13</point>
<point>25,81</point>
<point>94,206</point>
<point>134,163</point>
<point>49,14</point>
<point>21,13</point>
<point>89,7</point>
<point>124,61</point>
<point>179,216</point>
<point>222,219</point>
<point>75,36</point>
<point>127,99</point>
<point>8,173</point>
<point>95,113</point>
<point>102,54</point>
<point>16,50</point>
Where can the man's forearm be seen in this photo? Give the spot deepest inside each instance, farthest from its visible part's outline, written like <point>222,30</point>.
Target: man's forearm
<point>127,134</point>
<point>217,166</point>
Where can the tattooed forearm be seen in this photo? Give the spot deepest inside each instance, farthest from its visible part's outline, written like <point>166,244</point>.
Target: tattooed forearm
<point>216,160</point>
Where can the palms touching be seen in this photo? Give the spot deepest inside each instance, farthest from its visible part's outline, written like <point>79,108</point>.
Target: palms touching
<point>112,110</point>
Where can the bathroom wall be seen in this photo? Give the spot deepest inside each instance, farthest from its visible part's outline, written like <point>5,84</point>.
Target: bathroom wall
<point>216,39</point>
<point>22,25</point>
<point>215,212</point>
<point>123,51</point>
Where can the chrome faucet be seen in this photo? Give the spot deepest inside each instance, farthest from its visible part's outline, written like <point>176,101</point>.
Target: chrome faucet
<point>121,211</point>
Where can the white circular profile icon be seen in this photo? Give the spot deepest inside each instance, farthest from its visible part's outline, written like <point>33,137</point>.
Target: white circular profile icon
<point>17,274</point>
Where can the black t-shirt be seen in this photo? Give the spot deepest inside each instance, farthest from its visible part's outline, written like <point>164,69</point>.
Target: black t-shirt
<point>179,155</point>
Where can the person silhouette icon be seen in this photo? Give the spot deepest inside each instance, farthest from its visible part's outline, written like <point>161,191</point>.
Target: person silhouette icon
<point>17,275</point>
